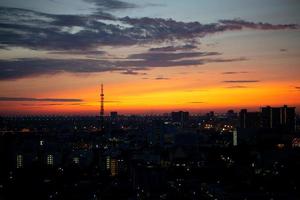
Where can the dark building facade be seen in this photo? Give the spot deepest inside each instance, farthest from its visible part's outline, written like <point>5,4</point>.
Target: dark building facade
<point>250,119</point>
<point>279,118</point>
<point>114,115</point>
<point>180,116</point>
<point>283,118</point>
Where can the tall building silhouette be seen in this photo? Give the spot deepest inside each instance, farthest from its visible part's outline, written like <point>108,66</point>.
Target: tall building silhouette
<point>283,118</point>
<point>250,119</point>
<point>180,116</point>
<point>279,117</point>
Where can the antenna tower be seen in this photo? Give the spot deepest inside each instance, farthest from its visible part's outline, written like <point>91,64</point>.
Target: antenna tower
<point>102,107</point>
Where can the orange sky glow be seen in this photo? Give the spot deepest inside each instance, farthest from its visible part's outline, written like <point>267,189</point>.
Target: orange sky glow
<point>249,68</point>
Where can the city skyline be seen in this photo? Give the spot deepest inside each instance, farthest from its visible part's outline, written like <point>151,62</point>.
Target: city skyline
<point>152,57</point>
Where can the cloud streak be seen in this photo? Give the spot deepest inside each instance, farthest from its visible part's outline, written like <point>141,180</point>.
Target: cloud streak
<point>195,102</point>
<point>171,56</point>
<point>241,81</point>
<point>79,52</point>
<point>174,48</point>
<point>230,73</point>
<point>238,24</point>
<point>131,72</point>
<point>39,99</point>
<point>31,67</point>
<point>237,87</point>
<point>161,78</point>
<point>21,68</point>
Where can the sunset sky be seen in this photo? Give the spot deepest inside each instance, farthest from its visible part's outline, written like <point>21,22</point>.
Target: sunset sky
<point>152,56</point>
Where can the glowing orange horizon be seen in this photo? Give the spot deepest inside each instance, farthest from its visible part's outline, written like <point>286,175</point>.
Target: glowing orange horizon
<point>160,98</point>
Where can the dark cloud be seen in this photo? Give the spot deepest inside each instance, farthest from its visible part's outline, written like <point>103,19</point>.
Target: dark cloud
<point>237,24</point>
<point>145,64</point>
<point>229,73</point>
<point>174,48</point>
<point>51,104</point>
<point>36,30</point>
<point>161,78</point>
<point>39,99</point>
<point>14,69</point>
<point>132,72</point>
<point>237,86</point>
<point>241,81</point>
<point>111,4</point>
<point>297,88</point>
<point>224,60</point>
<point>168,29</point>
<point>79,52</point>
<point>39,105</point>
<point>196,102</point>
<point>283,50</point>
<point>84,34</point>
<point>170,56</point>
<point>155,59</point>
<point>23,68</point>
<point>87,21</point>
<point>47,104</point>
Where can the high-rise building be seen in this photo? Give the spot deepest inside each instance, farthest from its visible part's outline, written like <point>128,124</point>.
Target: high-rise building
<point>279,117</point>
<point>113,115</point>
<point>114,167</point>
<point>19,161</point>
<point>108,163</point>
<point>156,133</point>
<point>231,114</point>
<point>50,160</point>
<point>250,119</point>
<point>210,115</point>
<point>270,117</point>
<point>180,116</point>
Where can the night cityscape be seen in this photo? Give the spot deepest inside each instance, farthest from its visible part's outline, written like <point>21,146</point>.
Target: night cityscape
<point>245,155</point>
<point>149,100</point>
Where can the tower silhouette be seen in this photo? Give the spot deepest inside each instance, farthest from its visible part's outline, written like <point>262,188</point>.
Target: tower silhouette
<point>102,108</point>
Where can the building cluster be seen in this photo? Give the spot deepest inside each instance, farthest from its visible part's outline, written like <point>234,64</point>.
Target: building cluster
<point>270,117</point>
<point>175,156</point>
<point>268,126</point>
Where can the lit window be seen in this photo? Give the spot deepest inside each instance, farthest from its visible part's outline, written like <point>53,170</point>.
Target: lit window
<point>76,160</point>
<point>19,161</point>
<point>107,162</point>
<point>114,167</point>
<point>50,159</point>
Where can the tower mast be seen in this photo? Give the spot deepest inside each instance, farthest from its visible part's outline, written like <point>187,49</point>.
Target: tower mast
<point>102,107</point>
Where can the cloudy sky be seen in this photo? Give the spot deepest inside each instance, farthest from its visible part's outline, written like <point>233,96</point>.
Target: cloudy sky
<point>151,55</point>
